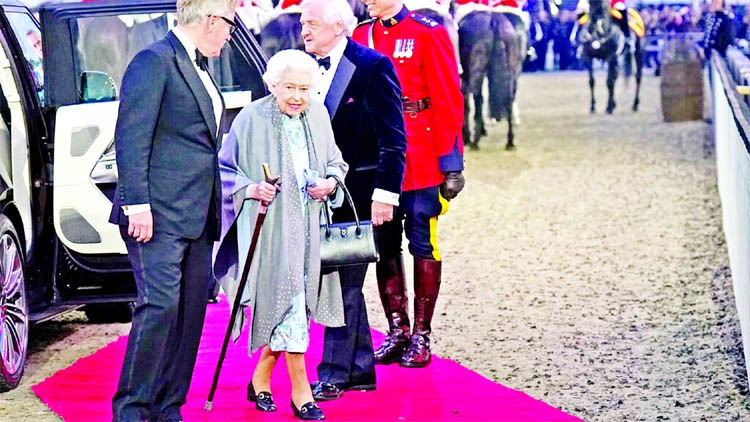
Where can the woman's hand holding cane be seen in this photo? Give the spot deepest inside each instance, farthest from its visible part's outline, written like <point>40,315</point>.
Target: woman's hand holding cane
<point>270,181</point>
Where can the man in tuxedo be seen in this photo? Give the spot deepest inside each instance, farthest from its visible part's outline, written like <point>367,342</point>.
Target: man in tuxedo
<point>360,89</point>
<point>167,205</point>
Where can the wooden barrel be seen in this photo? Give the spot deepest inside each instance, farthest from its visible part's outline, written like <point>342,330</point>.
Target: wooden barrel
<point>681,81</point>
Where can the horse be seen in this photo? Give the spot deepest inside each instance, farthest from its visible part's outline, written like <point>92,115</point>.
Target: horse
<point>488,47</point>
<point>601,39</point>
<point>282,33</point>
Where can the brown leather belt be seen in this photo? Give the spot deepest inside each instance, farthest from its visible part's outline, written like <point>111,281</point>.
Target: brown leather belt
<point>413,107</point>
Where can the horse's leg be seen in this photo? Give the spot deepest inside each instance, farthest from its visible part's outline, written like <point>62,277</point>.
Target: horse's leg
<point>473,50</point>
<point>510,107</point>
<point>479,129</point>
<point>612,71</point>
<point>627,60</point>
<point>466,130</point>
<point>464,49</point>
<point>638,72</point>
<point>509,146</point>
<point>516,113</point>
<point>589,63</point>
<point>476,91</point>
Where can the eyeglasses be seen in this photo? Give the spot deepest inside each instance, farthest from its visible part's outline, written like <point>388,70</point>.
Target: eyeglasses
<point>232,24</point>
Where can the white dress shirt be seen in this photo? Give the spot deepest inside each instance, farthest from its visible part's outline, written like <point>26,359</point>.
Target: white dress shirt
<point>213,92</point>
<point>325,78</point>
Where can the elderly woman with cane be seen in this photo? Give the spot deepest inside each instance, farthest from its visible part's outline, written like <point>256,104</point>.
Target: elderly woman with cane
<point>294,136</point>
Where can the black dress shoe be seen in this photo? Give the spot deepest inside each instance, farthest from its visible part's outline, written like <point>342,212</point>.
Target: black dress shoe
<point>308,412</point>
<point>263,400</point>
<point>213,300</point>
<point>360,387</point>
<point>325,391</point>
<point>175,417</point>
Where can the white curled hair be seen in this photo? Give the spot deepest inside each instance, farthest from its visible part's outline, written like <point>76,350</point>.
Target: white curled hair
<point>194,11</point>
<point>290,60</point>
<point>335,11</point>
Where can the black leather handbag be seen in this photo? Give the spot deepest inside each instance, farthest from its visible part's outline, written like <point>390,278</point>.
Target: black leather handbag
<point>347,243</point>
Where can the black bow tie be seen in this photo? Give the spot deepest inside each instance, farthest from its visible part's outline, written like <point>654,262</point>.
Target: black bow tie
<point>201,60</point>
<point>325,62</point>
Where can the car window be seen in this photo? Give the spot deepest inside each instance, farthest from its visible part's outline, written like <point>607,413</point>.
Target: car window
<point>106,44</point>
<point>28,35</point>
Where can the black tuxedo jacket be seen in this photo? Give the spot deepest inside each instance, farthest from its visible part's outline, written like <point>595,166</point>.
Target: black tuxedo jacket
<point>364,102</point>
<point>166,142</point>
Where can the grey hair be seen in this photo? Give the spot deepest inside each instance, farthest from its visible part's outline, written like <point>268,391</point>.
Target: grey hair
<point>335,11</point>
<point>190,12</point>
<point>290,60</point>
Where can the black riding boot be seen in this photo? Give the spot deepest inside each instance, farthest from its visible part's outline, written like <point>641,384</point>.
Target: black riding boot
<point>392,287</point>
<point>426,288</point>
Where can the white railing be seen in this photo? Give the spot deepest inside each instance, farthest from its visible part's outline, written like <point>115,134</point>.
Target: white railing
<point>731,118</point>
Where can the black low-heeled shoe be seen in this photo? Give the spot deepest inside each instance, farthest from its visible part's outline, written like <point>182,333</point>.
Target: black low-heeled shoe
<point>308,412</point>
<point>324,391</point>
<point>263,400</point>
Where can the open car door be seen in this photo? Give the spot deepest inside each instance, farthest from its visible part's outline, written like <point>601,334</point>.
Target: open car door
<point>93,44</point>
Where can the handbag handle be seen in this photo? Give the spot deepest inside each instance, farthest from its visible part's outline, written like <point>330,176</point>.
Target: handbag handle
<point>348,197</point>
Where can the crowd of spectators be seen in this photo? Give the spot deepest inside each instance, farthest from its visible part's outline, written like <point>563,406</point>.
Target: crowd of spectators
<point>553,37</point>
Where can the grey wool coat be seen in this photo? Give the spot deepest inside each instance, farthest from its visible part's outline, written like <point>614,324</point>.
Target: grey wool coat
<point>288,251</point>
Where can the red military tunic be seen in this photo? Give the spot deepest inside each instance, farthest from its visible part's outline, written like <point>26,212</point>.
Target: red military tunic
<point>507,3</point>
<point>426,66</point>
<point>289,3</point>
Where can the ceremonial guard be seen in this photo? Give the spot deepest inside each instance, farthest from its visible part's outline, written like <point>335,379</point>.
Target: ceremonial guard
<point>423,56</point>
<point>464,7</point>
<point>718,31</point>
<point>513,9</point>
<point>621,17</point>
<point>629,20</point>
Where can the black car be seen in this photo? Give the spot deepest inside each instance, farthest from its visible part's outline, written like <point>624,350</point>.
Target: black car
<point>59,79</point>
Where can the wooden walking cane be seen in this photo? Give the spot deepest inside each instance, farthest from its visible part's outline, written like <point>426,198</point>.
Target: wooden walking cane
<point>243,280</point>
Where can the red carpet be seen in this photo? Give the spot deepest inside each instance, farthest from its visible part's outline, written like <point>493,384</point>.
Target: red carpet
<point>443,391</point>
